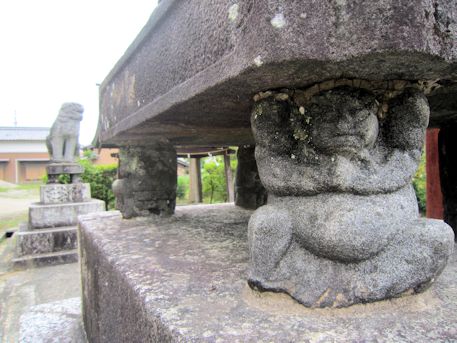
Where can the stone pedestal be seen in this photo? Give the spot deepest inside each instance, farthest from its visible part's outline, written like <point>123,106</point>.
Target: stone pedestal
<point>54,170</point>
<point>342,225</point>
<point>183,279</point>
<point>147,179</point>
<point>50,235</point>
<point>59,193</point>
<point>249,191</point>
<point>64,214</point>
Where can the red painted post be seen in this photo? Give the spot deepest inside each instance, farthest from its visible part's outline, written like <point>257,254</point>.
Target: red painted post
<point>432,167</point>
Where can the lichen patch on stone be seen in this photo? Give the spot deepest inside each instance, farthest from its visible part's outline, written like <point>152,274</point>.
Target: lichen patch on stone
<point>258,61</point>
<point>278,21</point>
<point>233,12</point>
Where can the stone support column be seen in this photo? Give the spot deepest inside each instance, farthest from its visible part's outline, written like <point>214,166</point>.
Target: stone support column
<point>448,172</point>
<point>249,191</point>
<point>341,225</point>
<point>147,179</point>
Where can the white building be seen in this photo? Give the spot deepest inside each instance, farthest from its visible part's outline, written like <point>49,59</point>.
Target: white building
<point>23,154</point>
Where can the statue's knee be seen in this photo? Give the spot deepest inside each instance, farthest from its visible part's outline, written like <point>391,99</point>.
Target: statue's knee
<point>270,235</point>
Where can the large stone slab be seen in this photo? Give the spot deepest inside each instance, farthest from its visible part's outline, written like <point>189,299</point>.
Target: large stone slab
<point>58,322</point>
<point>184,279</point>
<point>54,215</point>
<point>192,71</point>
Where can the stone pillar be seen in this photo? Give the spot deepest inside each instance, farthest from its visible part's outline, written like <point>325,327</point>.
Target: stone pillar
<point>147,179</point>
<point>432,166</point>
<point>341,225</point>
<point>448,172</point>
<point>195,181</point>
<point>249,191</point>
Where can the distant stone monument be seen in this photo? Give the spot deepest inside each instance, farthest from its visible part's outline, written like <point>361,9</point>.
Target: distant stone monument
<point>62,143</point>
<point>50,236</point>
<point>342,225</point>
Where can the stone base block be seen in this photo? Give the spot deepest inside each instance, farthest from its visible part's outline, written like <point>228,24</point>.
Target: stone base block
<point>64,168</point>
<point>47,259</point>
<point>184,279</point>
<point>63,193</point>
<point>46,240</point>
<point>54,215</point>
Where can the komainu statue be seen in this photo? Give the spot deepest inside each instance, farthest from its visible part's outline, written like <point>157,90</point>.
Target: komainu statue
<point>62,141</point>
<point>341,225</point>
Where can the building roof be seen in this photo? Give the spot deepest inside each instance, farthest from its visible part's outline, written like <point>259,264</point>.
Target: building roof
<point>182,162</point>
<point>23,133</point>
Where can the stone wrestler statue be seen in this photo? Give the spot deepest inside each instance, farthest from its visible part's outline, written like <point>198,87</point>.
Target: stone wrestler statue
<point>342,225</point>
<point>62,141</point>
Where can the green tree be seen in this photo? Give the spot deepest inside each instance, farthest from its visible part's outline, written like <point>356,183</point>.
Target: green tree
<point>213,180</point>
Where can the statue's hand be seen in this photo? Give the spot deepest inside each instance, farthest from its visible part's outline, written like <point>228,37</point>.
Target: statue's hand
<point>271,126</point>
<point>407,120</point>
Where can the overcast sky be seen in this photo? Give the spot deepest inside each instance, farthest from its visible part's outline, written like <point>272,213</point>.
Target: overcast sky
<point>55,51</point>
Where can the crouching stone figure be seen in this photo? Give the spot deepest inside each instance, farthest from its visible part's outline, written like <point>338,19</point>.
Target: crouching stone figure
<point>62,141</point>
<point>341,225</point>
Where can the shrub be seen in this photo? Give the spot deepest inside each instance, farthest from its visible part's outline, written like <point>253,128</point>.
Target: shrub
<point>419,184</point>
<point>100,179</point>
<point>182,189</point>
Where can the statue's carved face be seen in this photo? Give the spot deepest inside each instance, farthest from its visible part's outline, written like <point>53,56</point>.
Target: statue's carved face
<point>346,127</point>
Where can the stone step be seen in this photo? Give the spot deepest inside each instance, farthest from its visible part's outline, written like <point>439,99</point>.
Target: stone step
<point>42,241</point>
<point>56,215</point>
<point>42,260</point>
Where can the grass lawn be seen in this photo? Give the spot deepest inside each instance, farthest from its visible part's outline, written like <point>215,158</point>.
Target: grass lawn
<point>25,187</point>
<point>12,221</point>
<point>14,202</point>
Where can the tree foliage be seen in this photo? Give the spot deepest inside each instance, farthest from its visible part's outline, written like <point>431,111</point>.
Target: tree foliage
<point>419,184</point>
<point>213,180</point>
<point>100,178</point>
<point>182,189</point>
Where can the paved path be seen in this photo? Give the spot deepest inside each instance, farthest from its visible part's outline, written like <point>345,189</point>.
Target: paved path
<point>11,207</point>
<point>16,202</point>
<point>20,290</point>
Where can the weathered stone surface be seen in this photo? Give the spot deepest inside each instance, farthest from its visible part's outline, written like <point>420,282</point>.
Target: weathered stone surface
<point>191,72</point>
<point>249,191</point>
<point>62,141</point>
<point>46,259</point>
<point>186,281</point>
<point>360,268</point>
<point>338,143</point>
<point>45,240</point>
<point>54,215</point>
<point>146,182</point>
<point>62,193</point>
<point>55,322</point>
<point>341,224</point>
